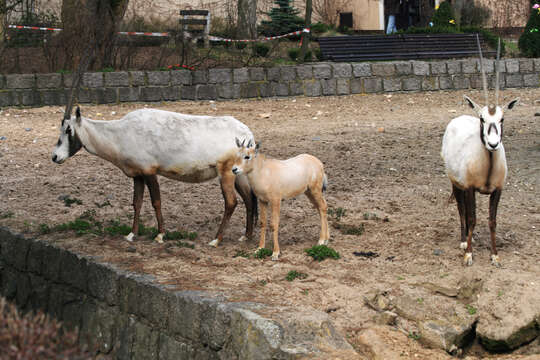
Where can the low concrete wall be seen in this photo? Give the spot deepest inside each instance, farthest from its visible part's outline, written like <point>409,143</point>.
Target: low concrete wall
<point>316,79</point>
<point>130,316</point>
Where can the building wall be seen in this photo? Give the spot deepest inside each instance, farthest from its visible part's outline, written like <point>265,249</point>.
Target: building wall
<point>507,13</point>
<point>366,14</point>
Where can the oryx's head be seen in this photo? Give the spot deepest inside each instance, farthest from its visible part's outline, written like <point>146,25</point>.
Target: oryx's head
<point>491,122</point>
<point>244,157</point>
<point>68,143</point>
<point>491,116</point>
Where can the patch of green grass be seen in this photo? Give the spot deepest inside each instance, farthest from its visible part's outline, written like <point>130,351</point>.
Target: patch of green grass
<point>263,282</point>
<point>500,293</point>
<point>350,229</point>
<point>321,252</point>
<point>44,229</point>
<point>79,225</point>
<point>68,201</point>
<point>241,253</point>
<point>337,213</point>
<point>7,215</point>
<point>293,274</point>
<point>420,301</point>
<point>305,292</point>
<point>263,253</point>
<point>470,309</point>
<point>116,228</point>
<point>414,335</point>
<point>400,278</point>
<point>180,235</point>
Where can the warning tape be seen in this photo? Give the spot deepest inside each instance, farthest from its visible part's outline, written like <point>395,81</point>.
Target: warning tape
<point>164,34</point>
<point>215,38</point>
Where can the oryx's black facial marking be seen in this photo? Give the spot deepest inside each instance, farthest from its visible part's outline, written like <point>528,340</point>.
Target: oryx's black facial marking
<point>75,144</point>
<point>482,132</point>
<point>492,127</point>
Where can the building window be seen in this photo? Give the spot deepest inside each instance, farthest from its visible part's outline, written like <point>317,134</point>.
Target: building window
<point>346,20</point>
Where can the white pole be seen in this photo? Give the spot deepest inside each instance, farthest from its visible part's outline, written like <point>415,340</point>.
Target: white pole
<point>381,15</point>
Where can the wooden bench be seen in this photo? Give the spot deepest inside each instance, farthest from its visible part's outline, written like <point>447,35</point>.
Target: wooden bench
<point>401,46</point>
<point>195,24</point>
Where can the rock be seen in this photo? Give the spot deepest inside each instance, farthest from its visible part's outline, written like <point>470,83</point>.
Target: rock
<point>28,129</point>
<point>511,314</point>
<point>371,344</point>
<point>445,335</point>
<point>3,138</point>
<point>387,318</point>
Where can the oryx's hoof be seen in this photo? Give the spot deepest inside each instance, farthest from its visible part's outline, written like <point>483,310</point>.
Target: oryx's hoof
<point>275,256</point>
<point>159,238</point>
<point>495,260</point>
<point>463,245</point>
<point>467,259</point>
<point>214,243</point>
<point>242,238</point>
<point>322,242</point>
<point>129,237</point>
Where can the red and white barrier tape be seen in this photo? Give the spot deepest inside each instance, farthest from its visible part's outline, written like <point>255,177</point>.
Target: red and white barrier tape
<point>33,28</point>
<point>215,38</point>
<point>164,34</point>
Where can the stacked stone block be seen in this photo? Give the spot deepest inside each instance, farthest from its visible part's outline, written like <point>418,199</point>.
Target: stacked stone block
<point>318,79</point>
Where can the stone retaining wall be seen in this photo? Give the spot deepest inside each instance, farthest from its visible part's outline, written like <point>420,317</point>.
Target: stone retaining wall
<point>318,79</point>
<point>130,316</point>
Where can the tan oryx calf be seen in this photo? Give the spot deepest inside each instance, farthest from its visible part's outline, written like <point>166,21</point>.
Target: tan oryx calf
<point>273,180</point>
<point>474,158</point>
<point>148,142</point>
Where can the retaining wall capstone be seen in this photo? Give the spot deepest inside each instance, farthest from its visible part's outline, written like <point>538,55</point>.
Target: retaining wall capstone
<point>131,316</point>
<point>318,79</point>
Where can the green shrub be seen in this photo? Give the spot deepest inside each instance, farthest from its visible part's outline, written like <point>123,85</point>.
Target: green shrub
<point>263,253</point>
<point>319,28</point>
<point>318,54</point>
<point>308,56</point>
<point>529,41</point>
<point>321,252</point>
<point>293,274</point>
<point>261,49</point>
<point>443,15</point>
<point>293,53</point>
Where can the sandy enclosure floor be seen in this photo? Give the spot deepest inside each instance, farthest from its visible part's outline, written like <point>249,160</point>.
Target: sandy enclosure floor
<point>381,155</point>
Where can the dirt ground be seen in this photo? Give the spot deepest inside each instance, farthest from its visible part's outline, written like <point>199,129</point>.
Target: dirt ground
<point>381,155</point>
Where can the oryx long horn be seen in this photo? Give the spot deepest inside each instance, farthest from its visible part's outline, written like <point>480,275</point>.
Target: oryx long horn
<point>497,86</point>
<point>484,80</point>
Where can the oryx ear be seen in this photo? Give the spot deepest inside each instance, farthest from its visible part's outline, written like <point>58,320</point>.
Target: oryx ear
<point>78,114</point>
<point>238,142</point>
<point>472,104</point>
<point>511,104</point>
<point>257,146</point>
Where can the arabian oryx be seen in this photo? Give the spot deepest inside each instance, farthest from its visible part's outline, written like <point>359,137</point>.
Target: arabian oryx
<point>474,158</point>
<point>273,180</point>
<point>146,143</point>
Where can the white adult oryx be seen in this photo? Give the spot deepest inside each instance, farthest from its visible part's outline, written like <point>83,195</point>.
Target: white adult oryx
<point>146,143</point>
<point>474,158</point>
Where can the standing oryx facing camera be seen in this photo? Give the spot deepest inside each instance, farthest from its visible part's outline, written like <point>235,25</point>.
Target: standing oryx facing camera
<point>474,158</point>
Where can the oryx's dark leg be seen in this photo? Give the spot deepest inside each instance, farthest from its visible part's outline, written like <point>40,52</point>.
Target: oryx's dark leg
<point>493,204</point>
<point>460,200</point>
<point>470,211</point>
<point>153,187</point>
<point>138,193</point>
<point>241,185</point>
<point>227,189</point>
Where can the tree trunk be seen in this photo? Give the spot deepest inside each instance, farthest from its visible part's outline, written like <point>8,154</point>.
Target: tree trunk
<point>247,19</point>
<point>306,35</point>
<point>90,27</point>
<point>3,24</point>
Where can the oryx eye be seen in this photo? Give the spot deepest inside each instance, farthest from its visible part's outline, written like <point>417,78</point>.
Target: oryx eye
<point>482,119</point>
<point>502,119</point>
<point>68,130</point>
<point>247,157</point>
